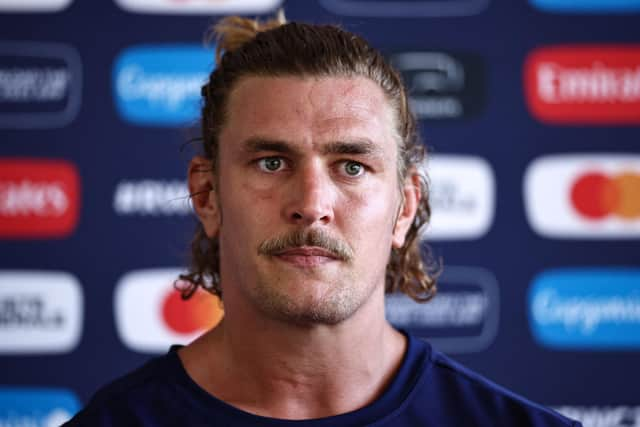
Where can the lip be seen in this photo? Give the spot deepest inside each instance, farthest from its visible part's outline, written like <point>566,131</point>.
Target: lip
<point>307,251</point>
<point>306,256</point>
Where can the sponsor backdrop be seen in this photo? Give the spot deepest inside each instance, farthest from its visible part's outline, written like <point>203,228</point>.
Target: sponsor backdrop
<point>531,110</point>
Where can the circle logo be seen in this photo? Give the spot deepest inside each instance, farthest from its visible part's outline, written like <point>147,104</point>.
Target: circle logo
<point>595,195</point>
<point>201,312</point>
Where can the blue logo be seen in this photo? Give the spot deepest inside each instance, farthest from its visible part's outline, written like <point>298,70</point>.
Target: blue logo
<point>586,308</point>
<point>36,407</point>
<point>413,8</point>
<point>161,85</point>
<point>40,85</point>
<point>463,317</point>
<point>587,6</point>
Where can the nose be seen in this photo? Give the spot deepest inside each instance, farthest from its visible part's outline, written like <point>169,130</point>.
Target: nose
<point>310,197</point>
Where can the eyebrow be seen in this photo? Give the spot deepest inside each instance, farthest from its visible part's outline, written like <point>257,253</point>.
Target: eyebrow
<point>362,146</point>
<point>357,147</point>
<point>256,145</point>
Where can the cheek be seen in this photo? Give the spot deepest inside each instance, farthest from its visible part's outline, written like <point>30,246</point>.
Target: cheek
<point>370,215</point>
<point>247,210</point>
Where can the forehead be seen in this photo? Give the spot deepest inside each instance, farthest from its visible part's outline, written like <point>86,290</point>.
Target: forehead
<point>309,109</point>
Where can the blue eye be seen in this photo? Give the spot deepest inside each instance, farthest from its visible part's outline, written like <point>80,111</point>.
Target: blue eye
<point>270,164</point>
<point>353,168</point>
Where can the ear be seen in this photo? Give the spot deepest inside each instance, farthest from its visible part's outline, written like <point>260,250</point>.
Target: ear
<point>203,194</point>
<point>407,211</point>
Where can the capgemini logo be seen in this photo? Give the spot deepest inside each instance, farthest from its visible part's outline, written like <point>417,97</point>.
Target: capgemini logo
<point>587,6</point>
<point>586,308</point>
<point>47,407</point>
<point>161,85</point>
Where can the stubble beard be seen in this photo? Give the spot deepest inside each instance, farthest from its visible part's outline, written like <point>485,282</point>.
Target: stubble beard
<point>339,297</point>
<point>340,301</point>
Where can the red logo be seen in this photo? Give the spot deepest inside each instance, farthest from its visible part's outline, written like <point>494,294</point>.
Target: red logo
<point>595,195</point>
<point>584,84</point>
<point>38,198</point>
<point>199,313</point>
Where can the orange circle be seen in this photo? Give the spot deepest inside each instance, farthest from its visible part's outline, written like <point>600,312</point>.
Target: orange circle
<point>200,312</point>
<point>628,187</point>
<point>206,310</point>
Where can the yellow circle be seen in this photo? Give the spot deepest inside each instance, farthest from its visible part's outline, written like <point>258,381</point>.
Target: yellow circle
<point>628,185</point>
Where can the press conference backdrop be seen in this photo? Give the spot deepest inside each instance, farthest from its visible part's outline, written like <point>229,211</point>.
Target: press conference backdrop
<point>531,110</point>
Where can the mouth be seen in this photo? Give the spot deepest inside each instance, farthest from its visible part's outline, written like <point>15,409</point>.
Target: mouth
<point>306,256</point>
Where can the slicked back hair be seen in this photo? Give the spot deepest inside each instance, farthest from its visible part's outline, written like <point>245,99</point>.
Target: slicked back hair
<point>275,48</point>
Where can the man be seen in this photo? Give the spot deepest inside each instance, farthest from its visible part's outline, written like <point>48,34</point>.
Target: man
<point>310,200</point>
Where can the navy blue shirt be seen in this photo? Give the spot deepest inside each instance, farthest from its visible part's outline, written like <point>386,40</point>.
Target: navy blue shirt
<point>429,390</point>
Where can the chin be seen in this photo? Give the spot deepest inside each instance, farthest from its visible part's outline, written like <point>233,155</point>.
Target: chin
<point>330,307</point>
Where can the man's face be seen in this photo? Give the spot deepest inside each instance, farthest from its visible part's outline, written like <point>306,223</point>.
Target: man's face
<point>309,196</point>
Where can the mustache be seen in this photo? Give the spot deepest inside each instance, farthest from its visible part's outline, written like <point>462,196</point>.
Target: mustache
<point>307,237</point>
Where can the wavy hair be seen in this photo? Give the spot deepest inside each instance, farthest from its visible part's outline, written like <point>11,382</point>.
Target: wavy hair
<point>247,47</point>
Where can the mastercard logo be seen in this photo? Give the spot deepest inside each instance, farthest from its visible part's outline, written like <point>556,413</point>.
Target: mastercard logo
<point>201,312</point>
<point>164,318</point>
<point>584,195</point>
<point>596,195</point>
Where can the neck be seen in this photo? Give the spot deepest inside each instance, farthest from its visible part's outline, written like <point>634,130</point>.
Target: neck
<point>283,370</point>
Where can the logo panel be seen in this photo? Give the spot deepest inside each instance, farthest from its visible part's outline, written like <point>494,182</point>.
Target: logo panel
<point>165,318</point>
<point>38,198</point>
<point>40,312</point>
<point>442,85</point>
<point>463,317</point>
<point>603,416</point>
<point>161,85</point>
<point>587,6</point>
<point>152,197</point>
<point>586,308</point>
<point>407,8</point>
<point>40,85</point>
<point>33,5</point>
<point>36,406</point>
<point>584,84</point>
<point>462,197</point>
<point>593,196</point>
<point>199,6</point>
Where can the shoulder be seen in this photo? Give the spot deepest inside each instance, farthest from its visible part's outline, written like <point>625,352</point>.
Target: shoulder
<point>451,391</point>
<point>128,396</point>
<point>153,373</point>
